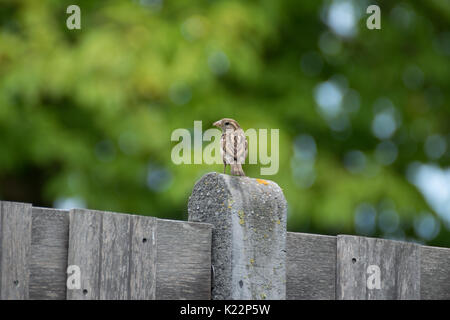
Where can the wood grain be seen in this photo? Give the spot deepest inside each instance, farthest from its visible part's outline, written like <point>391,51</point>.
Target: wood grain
<point>435,273</point>
<point>49,247</point>
<point>85,242</point>
<point>135,257</point>
<point>114,256</point>
<point>311,266</point>
<point>143,258</point>
<point>15,245</point>
<point>184,260</point>
<point>399,264</point>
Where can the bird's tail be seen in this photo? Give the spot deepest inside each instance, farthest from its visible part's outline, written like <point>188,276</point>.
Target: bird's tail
<point>236,169</point>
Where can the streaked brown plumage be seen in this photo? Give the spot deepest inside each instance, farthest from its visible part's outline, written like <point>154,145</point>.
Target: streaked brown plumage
<point>233,145</point>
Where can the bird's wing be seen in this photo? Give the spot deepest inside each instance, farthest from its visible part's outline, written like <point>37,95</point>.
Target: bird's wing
<point>227,147</point>
<point>240,146</point>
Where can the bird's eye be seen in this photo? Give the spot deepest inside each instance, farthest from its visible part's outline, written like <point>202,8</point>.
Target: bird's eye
<point>227,123</point>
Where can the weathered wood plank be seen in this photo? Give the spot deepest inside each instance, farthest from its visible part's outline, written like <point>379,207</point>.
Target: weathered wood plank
<point>15,244</point>
<point>49,247</point>
<point>311,266</point>
<point>115,256</point>
<point>398,264</point>
<point>435,273</point>
<point>85,236</point>
<point>143,258</point>
<point>135,257</point>
<point>183,260</point>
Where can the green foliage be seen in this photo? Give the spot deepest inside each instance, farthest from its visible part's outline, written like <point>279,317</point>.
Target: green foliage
<point>89,113</point>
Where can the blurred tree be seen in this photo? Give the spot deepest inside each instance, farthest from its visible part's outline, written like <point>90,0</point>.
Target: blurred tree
<point>86,115</point>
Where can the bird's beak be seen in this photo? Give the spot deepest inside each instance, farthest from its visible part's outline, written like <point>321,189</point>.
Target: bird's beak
<point>217,124</point>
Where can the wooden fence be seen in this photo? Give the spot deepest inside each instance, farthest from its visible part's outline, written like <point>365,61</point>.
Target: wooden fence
<point>124,256</point>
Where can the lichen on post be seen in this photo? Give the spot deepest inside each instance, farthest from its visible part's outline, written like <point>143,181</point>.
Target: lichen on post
<point>249,235</point>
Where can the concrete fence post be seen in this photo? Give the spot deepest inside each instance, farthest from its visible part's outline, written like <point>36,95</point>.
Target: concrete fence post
<point>249,235</point>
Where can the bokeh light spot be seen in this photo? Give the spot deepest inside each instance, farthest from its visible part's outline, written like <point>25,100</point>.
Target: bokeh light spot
<point>218,63</point>
<point>435,146</point>
<point>384,125</point>
<point>388,221</point>
<point>328,97</point>
<point>426,226</point>
<point>386,152</point>
<point>342,18</point>
<point>355,161</point>
<point>67,203</point>
<point>365,217</point>
<point>158,179</point>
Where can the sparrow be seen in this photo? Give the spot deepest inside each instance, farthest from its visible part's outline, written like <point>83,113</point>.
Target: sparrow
<point>233,145</point>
